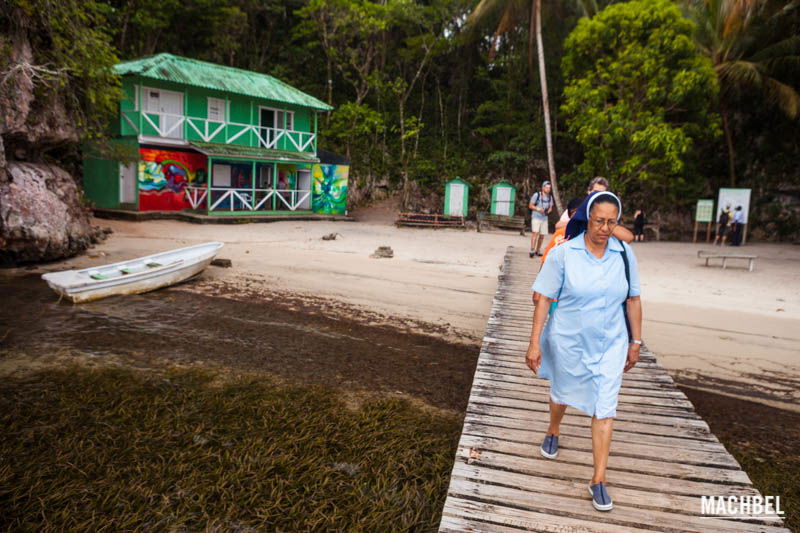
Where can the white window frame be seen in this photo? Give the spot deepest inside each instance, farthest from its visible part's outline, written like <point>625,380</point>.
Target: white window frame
<point>222,172</point>
<point>146,99</point>
<point>221,106</point>
<point>275,111</point>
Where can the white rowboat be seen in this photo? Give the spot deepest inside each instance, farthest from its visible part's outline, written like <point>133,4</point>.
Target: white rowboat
<point>135,276</point>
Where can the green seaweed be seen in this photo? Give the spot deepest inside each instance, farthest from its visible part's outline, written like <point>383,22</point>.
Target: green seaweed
<point>116,449</point>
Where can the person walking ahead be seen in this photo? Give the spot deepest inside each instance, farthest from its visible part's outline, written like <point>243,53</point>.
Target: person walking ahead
<point>586,345</point>
<point>540,205</point>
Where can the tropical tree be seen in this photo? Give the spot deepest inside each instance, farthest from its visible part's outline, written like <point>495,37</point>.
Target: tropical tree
<point>638,95</point>
<point>510,14</point>
<point>746,45</point>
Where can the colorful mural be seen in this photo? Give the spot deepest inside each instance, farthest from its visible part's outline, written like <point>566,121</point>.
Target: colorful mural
<point>164,176</point>
<point>329,192</point>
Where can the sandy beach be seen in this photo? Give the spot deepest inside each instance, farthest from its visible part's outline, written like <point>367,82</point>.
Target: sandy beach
<point>729,331</point>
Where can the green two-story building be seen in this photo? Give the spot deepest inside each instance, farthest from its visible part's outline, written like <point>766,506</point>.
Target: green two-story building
<point>216,140</point>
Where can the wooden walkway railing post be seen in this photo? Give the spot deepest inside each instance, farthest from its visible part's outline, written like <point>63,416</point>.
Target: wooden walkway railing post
<point>663,456</point>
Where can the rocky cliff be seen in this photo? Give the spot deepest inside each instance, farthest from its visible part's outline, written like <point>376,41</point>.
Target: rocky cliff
<point>41,216</point>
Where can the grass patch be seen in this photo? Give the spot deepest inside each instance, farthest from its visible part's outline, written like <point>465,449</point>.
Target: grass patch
<point>115,449</point>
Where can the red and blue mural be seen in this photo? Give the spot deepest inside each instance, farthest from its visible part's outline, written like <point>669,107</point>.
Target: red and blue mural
<point>164,176</point>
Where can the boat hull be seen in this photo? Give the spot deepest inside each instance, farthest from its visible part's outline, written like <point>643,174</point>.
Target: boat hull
<point>181,265</point>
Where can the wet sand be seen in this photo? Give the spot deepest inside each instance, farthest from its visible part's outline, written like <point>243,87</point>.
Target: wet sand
<point>291,340</point>
<point>731,331</point>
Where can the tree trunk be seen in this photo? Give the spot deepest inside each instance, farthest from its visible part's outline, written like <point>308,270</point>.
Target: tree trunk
<point>551,163</point>
<point>532,38</point>
<point>729,141</point>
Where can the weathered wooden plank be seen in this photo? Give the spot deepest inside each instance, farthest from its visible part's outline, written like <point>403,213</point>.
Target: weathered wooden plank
<point>538,404</point>
<point>541,467</point>
<point>665,466</point>
<point>534,430</point>
<point>577,489</point>
<point>629,380</point>
<point>527,520</point>
<point>626,396</point>
<point>581,440</point>
<point>457,524</point>
<point>633,390</point>
<point>571,418</point>
<point>577,508</point>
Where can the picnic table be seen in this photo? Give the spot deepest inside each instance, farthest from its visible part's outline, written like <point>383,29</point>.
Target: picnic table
<point>501,221</point>
<point>704,254</point>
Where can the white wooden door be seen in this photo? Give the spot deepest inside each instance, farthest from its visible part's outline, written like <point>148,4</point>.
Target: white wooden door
<point>127,183</point>
<point>168,105</point>
<point>303,185</point>
<point>503,201</point>
<point>456,207</point>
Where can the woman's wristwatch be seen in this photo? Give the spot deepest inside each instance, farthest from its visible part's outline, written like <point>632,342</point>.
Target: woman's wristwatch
<point>636,341</point>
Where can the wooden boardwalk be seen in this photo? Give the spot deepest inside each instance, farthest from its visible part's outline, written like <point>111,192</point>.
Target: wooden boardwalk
<point>663,456</point>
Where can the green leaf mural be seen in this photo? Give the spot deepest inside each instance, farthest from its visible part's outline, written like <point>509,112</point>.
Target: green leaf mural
<point>329,195</point>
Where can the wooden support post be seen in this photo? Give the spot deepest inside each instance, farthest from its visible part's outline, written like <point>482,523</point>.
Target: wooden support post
<point>184,114</point>
<point>694,239</point>
<point>708,232</point>
<point>252,123</point>
<point>141,108</point>
<point>274,184</point>
<point>253,185</point>
<point>316,115</point>
<point>210,165</point>
<point>227,118</point>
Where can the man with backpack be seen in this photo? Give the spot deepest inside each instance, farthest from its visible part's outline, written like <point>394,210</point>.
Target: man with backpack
<point>540,205</point>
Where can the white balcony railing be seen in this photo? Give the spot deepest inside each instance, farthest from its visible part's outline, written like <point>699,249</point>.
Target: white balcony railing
<point>180,127</point>
<point>228,199</point>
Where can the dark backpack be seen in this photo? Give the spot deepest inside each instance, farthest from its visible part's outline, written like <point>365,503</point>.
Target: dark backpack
<point>628,278</point>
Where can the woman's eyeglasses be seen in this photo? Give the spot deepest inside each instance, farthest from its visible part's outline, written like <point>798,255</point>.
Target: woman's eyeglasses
<point>611,223</point>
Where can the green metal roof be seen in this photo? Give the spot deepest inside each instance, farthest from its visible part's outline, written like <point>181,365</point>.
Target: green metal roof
<point>168,67</point>
<point>248,152</point>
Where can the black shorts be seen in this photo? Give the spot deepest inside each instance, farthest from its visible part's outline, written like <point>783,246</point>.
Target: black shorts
<point>722,229</point>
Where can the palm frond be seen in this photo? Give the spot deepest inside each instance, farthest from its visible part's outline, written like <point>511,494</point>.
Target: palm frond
<point>492,14</point>
<point>785,48</point>
<point>735,73</point>
<point>589,7</point>
<point>784,96</point>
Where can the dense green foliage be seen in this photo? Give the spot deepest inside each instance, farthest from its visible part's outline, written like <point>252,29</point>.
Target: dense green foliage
<point>637,96</point>
<point>421,96</point>
<point>123,450</point>
<point>72,56</point>
<point>750,48</point>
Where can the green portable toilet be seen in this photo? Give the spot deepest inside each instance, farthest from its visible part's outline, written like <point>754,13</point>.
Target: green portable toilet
<point>504,196</point>
<point>456,197</point>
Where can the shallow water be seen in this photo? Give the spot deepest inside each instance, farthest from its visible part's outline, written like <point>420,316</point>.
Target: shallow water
<point>173,325</point>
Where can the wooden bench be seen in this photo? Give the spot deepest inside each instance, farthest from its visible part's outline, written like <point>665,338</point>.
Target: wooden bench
<point>434,220</point>
<point>703,254</point>
<point>501,221</point>
<point>655,228</point>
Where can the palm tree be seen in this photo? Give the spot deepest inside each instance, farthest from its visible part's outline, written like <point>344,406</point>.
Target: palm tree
<point>739,38</point>
<point>510,14</point>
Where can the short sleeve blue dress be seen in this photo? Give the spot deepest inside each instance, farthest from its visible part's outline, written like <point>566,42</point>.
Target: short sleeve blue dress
<point>585,341</point>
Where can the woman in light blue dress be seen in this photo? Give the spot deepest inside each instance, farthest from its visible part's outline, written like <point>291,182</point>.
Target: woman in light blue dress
<point>586,346</point>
